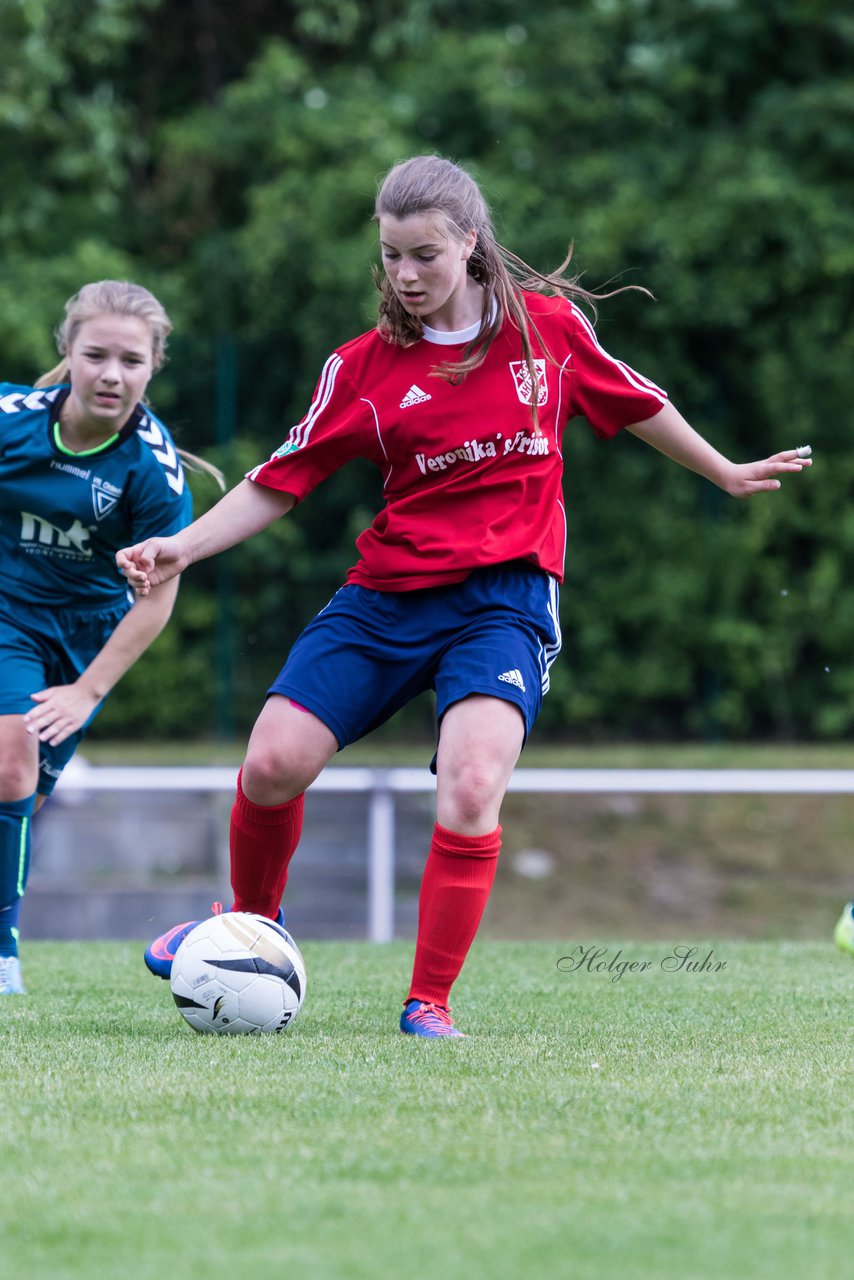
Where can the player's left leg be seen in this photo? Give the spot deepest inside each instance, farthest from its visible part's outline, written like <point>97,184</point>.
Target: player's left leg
<point>39,647</point>
<point>18,775</point>
<point>479,744</point>
<point>490,683</point>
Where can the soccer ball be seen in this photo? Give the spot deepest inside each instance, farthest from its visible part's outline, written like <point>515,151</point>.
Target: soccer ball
<point>238,974</point>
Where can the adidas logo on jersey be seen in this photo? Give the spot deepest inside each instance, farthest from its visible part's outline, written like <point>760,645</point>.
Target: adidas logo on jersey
<point>414,396</point>
<point>514,677</point>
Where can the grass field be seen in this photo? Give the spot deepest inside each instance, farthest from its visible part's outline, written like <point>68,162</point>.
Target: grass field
<point>651,1125</point>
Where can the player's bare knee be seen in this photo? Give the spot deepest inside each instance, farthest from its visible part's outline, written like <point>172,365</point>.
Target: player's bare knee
<point>17,778</point>
<point>472,795</point>
<point>272,776</point>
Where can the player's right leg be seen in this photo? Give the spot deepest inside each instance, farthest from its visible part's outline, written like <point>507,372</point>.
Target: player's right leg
<point>288,748</point>
<point>18,778</point>
<point>352,667</point>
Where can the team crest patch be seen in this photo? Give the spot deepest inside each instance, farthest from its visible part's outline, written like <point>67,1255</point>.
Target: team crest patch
<point>290,446</point>
<point>524,382</point>
<point>104,497</point>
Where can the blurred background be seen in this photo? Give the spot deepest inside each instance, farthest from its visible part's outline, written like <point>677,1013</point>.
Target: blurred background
<point>226,156</point>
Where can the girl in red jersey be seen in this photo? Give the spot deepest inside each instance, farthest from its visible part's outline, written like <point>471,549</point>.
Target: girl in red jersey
<point>460,395</point>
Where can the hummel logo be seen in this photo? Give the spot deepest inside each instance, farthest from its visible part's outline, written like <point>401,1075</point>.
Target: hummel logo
<point>414,396</point>
<point>15,401</point>
<point>514,677</point>
<point>150,432</point>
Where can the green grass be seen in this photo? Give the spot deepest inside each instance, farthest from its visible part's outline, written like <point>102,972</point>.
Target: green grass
<point>661,1125</point>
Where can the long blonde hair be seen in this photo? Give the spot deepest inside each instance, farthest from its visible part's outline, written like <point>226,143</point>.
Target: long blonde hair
<point>119,298</point>
<point>431,184</point>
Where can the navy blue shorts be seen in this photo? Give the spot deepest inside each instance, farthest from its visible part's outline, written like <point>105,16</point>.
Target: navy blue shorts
<point>41,647</point>
<point>368,653</point>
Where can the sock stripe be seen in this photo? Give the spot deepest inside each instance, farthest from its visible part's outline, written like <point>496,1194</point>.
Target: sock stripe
<point>15,840</point>
<point>22,857</point>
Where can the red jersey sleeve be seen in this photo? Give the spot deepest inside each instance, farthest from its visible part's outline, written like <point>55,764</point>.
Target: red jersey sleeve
<point>608,392</point>
<point>337,427</point>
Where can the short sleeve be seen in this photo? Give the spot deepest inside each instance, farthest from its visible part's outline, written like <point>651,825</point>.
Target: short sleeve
<point>607,391</point>
<point>335,430</point>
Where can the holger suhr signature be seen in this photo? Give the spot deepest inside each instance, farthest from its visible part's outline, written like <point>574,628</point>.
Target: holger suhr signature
<point>595,959</point>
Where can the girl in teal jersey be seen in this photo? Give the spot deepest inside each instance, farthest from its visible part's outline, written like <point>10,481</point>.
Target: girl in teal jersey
<point>83,461</point>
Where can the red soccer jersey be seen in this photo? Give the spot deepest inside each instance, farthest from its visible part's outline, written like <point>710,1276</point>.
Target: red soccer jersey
<point>467,481</point>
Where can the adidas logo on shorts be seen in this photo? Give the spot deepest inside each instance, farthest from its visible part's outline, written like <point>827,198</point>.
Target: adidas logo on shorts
<point>514,677</point>
<point>414,396</point>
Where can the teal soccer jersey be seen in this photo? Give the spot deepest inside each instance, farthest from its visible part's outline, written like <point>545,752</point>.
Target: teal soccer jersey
<point>64,515</point>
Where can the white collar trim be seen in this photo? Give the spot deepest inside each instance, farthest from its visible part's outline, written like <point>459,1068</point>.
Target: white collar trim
<point>452,337</point>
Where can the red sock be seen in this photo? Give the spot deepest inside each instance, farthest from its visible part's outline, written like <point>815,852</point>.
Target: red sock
<point>454,889</point>
<point>262,840</point>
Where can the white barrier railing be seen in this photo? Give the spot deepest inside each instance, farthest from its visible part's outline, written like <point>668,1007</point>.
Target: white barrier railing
<point>382,784</point>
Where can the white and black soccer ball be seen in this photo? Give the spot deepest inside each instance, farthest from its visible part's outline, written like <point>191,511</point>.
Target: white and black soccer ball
<point>238,974</point>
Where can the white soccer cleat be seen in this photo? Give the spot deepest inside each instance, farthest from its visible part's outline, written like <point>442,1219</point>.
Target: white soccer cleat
<point>11,983</point>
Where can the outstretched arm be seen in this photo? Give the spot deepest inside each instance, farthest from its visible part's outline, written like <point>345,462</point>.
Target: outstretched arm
<point>63,709</point>
<point>245,510</point>
<point>668,432</point>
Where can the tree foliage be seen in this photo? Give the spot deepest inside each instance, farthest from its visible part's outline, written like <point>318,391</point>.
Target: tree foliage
<point>227,157</point>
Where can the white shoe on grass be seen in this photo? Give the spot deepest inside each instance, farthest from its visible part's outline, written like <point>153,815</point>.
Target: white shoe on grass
<point>10,976</point>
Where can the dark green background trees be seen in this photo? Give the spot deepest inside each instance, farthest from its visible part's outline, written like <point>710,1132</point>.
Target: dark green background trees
<point>227,155</point>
